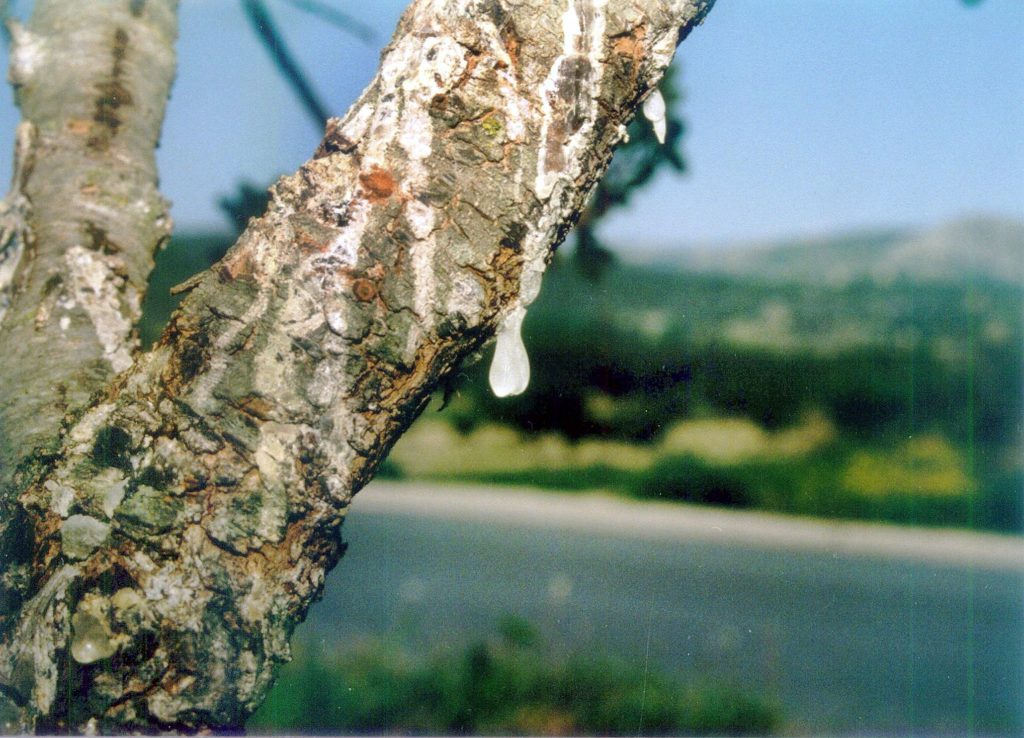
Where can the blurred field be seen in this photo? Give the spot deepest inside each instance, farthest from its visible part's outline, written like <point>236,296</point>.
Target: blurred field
<point>875,376</point>
<point>847,387</point>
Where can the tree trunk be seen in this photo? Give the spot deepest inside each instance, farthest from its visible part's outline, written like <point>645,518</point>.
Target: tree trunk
<point>168,535</point>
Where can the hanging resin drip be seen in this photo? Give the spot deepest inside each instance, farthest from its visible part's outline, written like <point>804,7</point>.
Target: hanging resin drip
<point>654,111</point>
<point>91,641</point>
<point>510,368</point>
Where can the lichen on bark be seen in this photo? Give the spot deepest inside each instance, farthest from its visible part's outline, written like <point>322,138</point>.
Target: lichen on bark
<point>205,487</point>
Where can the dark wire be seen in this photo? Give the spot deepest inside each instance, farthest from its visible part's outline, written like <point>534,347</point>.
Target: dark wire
<point>337,18</point>
<point>262,22</point>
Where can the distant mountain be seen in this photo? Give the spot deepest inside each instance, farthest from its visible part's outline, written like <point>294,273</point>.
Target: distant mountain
<point>975,248</point>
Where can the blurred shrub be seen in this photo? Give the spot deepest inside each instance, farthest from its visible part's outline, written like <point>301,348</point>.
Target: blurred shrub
<point>811,485</point>
<point>509,686</point>
<point>689,479</point>
<point>927,465</point>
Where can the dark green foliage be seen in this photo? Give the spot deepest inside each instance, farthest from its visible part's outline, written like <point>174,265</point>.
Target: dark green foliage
<point>1001,505</point>
<point>813,487</point>
<point>924,359</point>
<point>511,686</point>
<point>583,338</point>
<point>184,257</point>
<point>687,479</point>
<point>803,486</point>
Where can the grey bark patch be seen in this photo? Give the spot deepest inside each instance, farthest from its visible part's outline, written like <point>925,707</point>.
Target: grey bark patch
<point>576,73</point>
<point>236,521</point>
<point>70,323</point>
<point>81,535</point>
<point>497,14</point>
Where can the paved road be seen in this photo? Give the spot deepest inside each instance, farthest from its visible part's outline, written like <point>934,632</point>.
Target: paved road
<point>854,629</point>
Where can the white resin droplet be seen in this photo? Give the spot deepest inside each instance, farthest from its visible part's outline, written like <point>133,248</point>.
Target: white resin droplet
<point>91,641</point>
<point>510,368</point>
<point>654,111</point>
<point>529,284</point>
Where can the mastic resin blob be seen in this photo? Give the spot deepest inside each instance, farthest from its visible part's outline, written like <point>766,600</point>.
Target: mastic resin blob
<point>91,641</point>
<point>654,111</point>
<point>510,368</point>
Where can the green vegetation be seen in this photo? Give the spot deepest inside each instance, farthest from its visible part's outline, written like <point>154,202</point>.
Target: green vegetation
<point>915,388</point>
<point>840,480</point>
<point>185,256</point>
<point>892,399</point>
<point>509,686</point>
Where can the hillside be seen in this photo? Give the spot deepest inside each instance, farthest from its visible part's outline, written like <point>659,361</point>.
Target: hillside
<point>985,248</point>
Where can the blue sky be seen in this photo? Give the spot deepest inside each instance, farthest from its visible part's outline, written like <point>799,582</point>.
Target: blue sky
<point>805,116</point>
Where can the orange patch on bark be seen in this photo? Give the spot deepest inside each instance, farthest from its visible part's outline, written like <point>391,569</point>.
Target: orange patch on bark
<point>631,46</point>
<point>364,290</point>
<point>236,266</point>
<point>512,42</point>
<point>78,127</point>
<point>378,184</point>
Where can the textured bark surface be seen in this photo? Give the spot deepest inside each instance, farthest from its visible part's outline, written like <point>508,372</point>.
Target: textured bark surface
<point>191,513</point>
<point>85,215</point>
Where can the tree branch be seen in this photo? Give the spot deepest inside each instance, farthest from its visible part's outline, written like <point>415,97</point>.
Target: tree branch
<point>14,211</point>
<point>193,511</point>
<point>86,206</point>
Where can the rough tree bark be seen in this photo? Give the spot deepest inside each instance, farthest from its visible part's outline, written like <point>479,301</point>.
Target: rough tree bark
<point>170,516</point>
